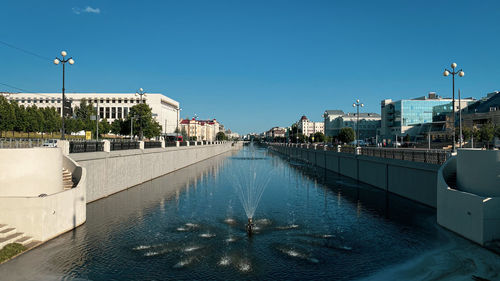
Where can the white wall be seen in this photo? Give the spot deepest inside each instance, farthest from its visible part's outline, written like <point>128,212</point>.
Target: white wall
<point>478,171</point>
<point>46,217</point>
<point>30,171</point>
<point>111,172</point>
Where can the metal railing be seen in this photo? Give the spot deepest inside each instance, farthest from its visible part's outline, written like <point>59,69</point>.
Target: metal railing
<point>124,145</point>
<point>170,144</point>
<point>152,144</point>
<point>21,143</point>
<point>85,146</point>
<point>183,143</point>
<point>191,143</point>
<point>431,156</point>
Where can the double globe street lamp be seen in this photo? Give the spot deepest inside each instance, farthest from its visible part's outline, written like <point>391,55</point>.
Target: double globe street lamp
<point>460,73</point>
<point>357,104</point>
<point>63,61</point>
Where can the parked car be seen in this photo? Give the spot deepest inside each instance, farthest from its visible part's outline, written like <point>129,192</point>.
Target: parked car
<point>50,143</point>
<point>360,143</point>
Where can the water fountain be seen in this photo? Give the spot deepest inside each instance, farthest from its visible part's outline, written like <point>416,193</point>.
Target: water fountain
<point>250,180</point>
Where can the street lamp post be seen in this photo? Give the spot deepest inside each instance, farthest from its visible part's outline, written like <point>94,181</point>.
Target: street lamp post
<point>460,119</point>
<point>142,94</point>
<point>325,115</point>
<point>357,104</point>
<point>63,61</point>
<point>178,112</point>
<point>453,73</point>
<point>132,126</point>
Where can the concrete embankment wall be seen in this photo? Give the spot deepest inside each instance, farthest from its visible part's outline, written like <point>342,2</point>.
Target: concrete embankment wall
<point>111,172</point>
<point>413,180</point>
<point>44,218</point>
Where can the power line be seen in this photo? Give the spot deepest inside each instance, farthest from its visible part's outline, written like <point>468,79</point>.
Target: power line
<point>25,51</point>
<point>17,88</point>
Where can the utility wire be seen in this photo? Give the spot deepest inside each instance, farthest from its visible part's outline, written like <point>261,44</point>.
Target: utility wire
<point>14,87</point>
<point>25,51</point>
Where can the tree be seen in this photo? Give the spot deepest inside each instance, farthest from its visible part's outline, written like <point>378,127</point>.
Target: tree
<point>143,121</point>
<point>346,135</point>
<point>104,126</point>
<point>184,133</point>
<point>319,137</point>
<point>35,120</point>
<point>220,136</point>
<point>116,126</point>
<point>467,133</point>
<point>21,118</point>
<point>406,138</point>
<point>7,116</point>
<point>486,133</point>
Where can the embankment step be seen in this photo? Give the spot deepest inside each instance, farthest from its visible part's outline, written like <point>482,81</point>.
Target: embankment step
<point>24,240</point>
<point>10,239</point>
<point>32,244</point>
<point>3,226</point>
<point>7,232</point>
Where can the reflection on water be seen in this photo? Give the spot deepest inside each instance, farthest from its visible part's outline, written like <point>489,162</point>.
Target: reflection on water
<point>310,224</point>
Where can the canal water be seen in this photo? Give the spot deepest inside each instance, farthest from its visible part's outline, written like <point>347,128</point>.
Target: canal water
<point>310,225</point>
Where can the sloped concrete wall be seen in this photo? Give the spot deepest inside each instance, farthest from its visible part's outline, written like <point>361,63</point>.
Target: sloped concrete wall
<point>30,171</point>
<point>413,180</point>
<point>111,172</point>
<point>44,218</point>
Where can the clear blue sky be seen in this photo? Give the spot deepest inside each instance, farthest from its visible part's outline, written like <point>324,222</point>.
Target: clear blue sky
<point>254,64</point>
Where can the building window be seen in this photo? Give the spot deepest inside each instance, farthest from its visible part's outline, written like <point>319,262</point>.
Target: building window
<point>125,112</point>
<point>59,110</point>
<point>119,101</point>
<point>125,101</point>
<point>102,101</point>
<point>113,101</point>
<point>113,112</point>
<point>119,112</point>
<point>107,112</point>
<point>101,112</point>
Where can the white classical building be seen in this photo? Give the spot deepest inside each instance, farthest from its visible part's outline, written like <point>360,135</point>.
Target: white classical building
<point>308,127</point>
<point>109,105</point>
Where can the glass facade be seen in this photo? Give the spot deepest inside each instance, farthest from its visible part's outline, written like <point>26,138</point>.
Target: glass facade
<point>413,112</point>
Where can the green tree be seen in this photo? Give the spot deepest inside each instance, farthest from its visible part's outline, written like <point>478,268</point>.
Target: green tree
<point>52,120</point>
<point>35,120</point>
<point>486,133</point>
<point>7,116</point>
<point>467,133</point>
<point>143,121</point>
<point>346,135</point>
<point>116,127</point>
<point>83,112</point>
<point>104,126</point>
<point>220,136</point>
<point>319,137</point>
<point>184,133</point>
<point>21,118</point>
<point>152,130</point>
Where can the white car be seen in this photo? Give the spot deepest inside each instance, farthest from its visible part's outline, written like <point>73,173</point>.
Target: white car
<point>50,143</point>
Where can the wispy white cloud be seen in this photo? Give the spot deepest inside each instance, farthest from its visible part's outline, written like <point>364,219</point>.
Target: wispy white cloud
<point>87,9</point>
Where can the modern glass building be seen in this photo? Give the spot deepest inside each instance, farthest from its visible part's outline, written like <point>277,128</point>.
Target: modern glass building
<point>405,117</point>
